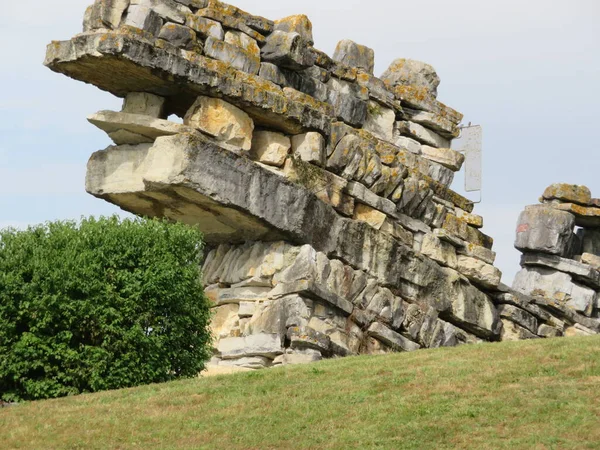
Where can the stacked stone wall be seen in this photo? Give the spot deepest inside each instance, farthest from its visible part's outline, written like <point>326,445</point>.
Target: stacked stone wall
<point>323,191</point>
<point>560,242</point>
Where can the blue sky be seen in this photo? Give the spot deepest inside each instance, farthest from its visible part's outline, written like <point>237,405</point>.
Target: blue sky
<point>528,71</point>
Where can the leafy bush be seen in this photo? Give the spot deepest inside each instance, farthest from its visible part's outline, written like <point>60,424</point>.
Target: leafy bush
<point>105,304</point>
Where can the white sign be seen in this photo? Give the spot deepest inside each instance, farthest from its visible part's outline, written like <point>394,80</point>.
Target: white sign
<point>471,144</point>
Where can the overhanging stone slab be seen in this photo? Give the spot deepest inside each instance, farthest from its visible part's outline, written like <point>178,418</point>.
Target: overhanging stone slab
<point>126,61</point>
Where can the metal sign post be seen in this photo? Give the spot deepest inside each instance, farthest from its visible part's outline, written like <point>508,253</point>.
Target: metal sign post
<point>470,142</point>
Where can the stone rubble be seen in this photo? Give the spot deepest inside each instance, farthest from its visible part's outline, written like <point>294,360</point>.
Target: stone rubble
<point>322,190</point>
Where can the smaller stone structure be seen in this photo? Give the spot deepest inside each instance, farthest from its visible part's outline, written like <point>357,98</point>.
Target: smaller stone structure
<point>560,241</point>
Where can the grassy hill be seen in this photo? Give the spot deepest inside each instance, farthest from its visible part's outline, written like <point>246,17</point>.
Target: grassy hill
<point>543,395</point>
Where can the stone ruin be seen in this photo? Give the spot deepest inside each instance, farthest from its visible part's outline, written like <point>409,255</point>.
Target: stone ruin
<point>322,190</point>
<point>560,241</point>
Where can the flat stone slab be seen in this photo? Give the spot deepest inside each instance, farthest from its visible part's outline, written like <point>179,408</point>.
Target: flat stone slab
<point>580,271</point>
<point>149,127</point>
<point>124,61</point>
<point>585,216</point>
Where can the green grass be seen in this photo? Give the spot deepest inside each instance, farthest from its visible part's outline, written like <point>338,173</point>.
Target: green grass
<point>541,395</point>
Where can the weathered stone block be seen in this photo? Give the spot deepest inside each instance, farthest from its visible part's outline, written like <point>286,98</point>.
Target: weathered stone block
<point>513,332</point>
<point>205,27</point>
<point>221,120</point>
<point>391,338</point>
<point>408,72</point>
<point>380,121</point>
<point>449,158</point>
<point>519,316</point>
<point>369,215</point>
<point>584,273</point>
<point>479,272</point>
<point>167,9</point>
<point>556,287</point>
<point>178,35</point>
<point>144,18</point>
<point>421,134</point>
<point>439,251</point>
<point>270,148</point>
<point>544,229</point>
<point>352,54</point>
<point>288,50</point>
<point>568,193</point>
<point>300,24</point>
<point>232,54</point>
<point>266,345</point>
<point>309,147</point>
<point>105,14</point>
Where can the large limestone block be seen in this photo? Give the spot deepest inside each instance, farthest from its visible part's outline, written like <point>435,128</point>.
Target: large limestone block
<point>125,128</point>
<point>369,215</point>
<point>557,288</point>
<point>389,337</point>
<point>144,18</point>
<point>408,72</point>
<point>447,157</point>
<point>568,193</point>
<point>352,54</point>
<point>224,320</point>
<point>232,54</point>
<point>167,9</point>
<point>288,50</point>
<point>221,120</point>
<point>179,35</point>
<point>144,103</point>
<point>438,250</point>
<point>585,216</point>
<point>121,62</point>
<point>519,316</point>
<point>421,134</point>
<point>235,18</point>
<point>513,332</point>
<point>408,144</point>
<point>105,14</point>
<point>544,229</point>
<point>309,147</point>
<point>245,42</point>
<point>300,24</point>
<point>582,272</point>
<point>470,308</point>
<point>266,345</point>
<point>270,148</point>
<point>205,27</point>
<point>479,272</point>
<point>380,121</point>
<point>438,123</point>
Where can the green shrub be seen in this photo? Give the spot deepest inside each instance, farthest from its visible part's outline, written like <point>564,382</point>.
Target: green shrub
<point>103,304</point>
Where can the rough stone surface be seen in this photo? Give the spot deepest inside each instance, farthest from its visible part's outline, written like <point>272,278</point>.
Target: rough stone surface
<point>270,148</point>
<point>221,120</point>
<point>408,72</point>
<point>421,134</point>
<point>331,230</point>
<point>309,147</point>
<point>478,271</point>
<point>288,50</point>
<point>556,287</point>
<point>449,158</point>
<point>544,229</point>
<point>300,24</point>
<point>568,193</point>
<point>352,54</point>
<point>380,121</point>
